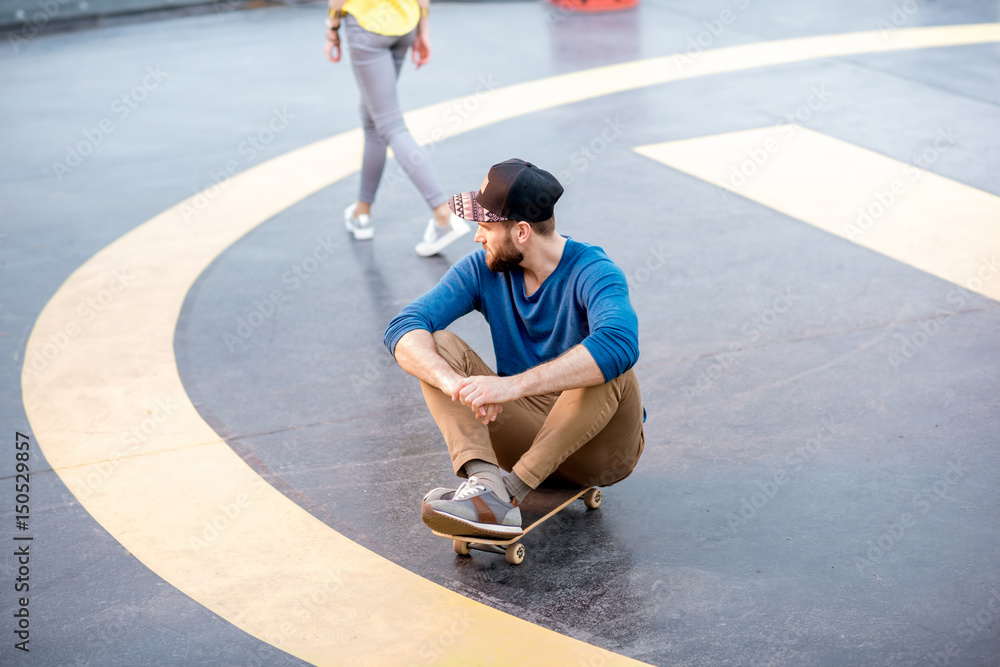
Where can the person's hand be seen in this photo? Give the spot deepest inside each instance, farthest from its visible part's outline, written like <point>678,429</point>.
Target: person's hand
<point>332,46</point>
<point>486,413</point>
<point>422,46</point>
<point>480,391</point>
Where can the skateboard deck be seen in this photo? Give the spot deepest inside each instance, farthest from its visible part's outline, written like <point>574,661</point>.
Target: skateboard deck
<point>539,506</point>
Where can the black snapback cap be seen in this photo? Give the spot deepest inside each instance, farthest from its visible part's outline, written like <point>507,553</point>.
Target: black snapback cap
<point>513,190</point>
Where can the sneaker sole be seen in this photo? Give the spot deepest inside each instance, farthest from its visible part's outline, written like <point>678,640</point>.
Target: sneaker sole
<point>427,251</point>
<point>360,233</point>
<point>452,525</point>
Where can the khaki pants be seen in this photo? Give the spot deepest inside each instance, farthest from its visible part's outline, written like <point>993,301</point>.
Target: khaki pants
<point>588,436</point>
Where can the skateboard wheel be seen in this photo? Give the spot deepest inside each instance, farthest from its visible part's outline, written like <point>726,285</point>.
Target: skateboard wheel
<point>592,498</point>
<point>515,553</point>
<point>460,547</point>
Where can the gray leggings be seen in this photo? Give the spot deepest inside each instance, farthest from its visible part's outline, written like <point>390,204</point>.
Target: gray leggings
<point>377,60</point>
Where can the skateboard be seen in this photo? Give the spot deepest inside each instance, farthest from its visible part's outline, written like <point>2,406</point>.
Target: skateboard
<point>539,506</point>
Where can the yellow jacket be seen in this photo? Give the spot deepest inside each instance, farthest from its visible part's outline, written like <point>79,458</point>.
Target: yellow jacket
<point>385,17</point>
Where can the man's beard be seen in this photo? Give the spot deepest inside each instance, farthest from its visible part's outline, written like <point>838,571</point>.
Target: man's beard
<point>506,258</point>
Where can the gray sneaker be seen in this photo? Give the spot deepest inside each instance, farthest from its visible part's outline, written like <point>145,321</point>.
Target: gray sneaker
<point>436,237</point>
<point>471,510</point>
<point>360,225</point>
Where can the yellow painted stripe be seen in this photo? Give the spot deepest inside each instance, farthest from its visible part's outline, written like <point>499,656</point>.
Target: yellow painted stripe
<point>107,407</point>
<point>943,227</point>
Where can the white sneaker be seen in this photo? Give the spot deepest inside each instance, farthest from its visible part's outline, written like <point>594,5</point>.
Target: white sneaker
<point>360,226</point>
<point>437,237</point>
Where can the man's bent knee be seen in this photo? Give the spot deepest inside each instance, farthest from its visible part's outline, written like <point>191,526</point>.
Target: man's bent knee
<point>447,338</point>
<point>451,347</point>
<point>459,354</point>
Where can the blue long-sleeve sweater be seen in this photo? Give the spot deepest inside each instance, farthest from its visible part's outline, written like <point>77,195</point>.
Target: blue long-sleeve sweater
<point>584,301</point>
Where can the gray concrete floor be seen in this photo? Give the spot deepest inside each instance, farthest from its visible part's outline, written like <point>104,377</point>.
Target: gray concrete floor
<point>674,568</point>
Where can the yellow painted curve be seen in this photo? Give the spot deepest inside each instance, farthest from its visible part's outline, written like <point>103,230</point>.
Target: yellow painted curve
<point>107,407</point>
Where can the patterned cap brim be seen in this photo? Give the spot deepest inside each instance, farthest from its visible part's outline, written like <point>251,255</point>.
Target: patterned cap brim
<point>466,206</point>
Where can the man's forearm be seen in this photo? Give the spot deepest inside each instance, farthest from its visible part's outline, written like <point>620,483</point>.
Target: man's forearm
<point>571,370</point>
<point>417,354</point>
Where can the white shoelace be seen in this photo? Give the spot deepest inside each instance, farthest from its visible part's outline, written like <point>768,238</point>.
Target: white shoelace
<point>468,488</point>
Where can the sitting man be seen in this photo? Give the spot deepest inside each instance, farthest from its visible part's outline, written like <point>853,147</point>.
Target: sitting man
<point>563,401</point>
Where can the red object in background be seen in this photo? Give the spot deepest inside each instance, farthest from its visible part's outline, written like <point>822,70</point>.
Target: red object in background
<point>594,5</point>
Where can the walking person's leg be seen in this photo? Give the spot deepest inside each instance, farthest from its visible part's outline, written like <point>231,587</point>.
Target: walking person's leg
<point>357,216</point>
<point>377,60</point>
<point>374,156</point>
<point>372,162</point>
